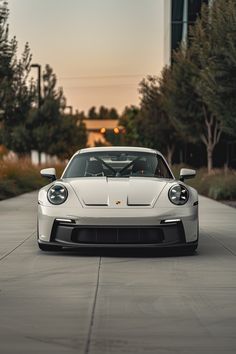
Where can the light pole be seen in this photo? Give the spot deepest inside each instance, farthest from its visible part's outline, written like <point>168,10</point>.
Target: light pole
<point>38,66</point>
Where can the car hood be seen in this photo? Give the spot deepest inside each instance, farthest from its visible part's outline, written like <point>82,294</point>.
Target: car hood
<point>117,192</point>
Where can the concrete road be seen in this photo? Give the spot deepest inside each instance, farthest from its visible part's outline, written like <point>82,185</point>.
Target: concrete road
<point>115,301</point>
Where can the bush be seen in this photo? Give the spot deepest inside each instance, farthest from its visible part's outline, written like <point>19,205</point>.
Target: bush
<point>219,185</point>
<point>21,177</point>
<point>8,189</point>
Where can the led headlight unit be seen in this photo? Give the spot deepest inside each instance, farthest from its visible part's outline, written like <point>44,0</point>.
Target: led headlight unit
<point>57,194</point>
<point>178,194</point>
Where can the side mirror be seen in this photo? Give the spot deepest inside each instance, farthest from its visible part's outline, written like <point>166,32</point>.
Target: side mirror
<point>186,173</point>
<point>49,173</point>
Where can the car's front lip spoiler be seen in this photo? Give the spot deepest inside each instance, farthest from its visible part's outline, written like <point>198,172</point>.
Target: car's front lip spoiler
<point>118,245</point>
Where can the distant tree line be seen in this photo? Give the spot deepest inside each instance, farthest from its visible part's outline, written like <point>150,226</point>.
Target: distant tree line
<point>103,113</point>
<point>194,99</point>
<point>25,125</point>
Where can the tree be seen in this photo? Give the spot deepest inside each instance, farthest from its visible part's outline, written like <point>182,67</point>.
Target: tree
<point>72,134</point>
<point>15,94</point>
<point>128,121</point>
<point>7,54</point>
<point>103,113</point>
<point>187,108</point>
<point>218,75</point>
<point>201,94</point>
<point>113,114</point>
<point>185,93</point>
<point>45,119</point>
<point>158,130</point>
<point>53,132</point>
<point>80,115</point>
<point>16,125</point>
<point>92,114</point>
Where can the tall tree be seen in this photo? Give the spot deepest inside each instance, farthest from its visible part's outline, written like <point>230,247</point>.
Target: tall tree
<point>218,74</point>
<point>15,94</point>
<point>46,118</point>
<point>155,127</point>
<point>7,54</point>
<point>186,106</point>
<point>201,94</point>
<point>53,132</point>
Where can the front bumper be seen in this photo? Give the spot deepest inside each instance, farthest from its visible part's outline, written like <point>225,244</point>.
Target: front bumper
<point>116,218</point>
<point>73,235</point>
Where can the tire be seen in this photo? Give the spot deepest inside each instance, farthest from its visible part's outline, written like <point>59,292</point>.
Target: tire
<point>49,248</point>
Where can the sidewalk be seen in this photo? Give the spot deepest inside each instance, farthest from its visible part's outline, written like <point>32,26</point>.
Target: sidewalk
<point>219,221</point>
<point>17,220</point>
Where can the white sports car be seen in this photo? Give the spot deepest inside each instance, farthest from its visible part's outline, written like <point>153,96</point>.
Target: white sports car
<point>117,197</point>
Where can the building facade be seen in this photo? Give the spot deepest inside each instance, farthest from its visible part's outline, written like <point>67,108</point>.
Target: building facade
<point>97,128</point>
<point>179,16</point>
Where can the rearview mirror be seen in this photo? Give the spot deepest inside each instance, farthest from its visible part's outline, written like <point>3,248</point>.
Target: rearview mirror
<point>49,173</point>
<point>186,173</point>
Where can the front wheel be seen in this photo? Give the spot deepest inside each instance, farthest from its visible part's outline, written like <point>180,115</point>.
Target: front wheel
<point>49,248</point>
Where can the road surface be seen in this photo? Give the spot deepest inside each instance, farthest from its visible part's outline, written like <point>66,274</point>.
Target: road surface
<point>117,301</point>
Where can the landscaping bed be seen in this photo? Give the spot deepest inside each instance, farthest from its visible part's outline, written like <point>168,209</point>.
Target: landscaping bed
<point>220,184</point>
<point>21,177</point>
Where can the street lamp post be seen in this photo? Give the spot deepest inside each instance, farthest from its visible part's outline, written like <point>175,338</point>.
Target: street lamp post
<point>38,66</point>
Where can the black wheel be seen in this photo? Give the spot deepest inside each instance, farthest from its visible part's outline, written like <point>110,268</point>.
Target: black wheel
<point>49,248</point>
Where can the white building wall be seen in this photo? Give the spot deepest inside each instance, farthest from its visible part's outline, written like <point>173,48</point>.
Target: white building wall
<point>167,32</point>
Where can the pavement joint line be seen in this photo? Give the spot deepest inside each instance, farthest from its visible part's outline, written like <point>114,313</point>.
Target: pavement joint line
<point>221,243</point>
<point>88,341</point>
<point>19,244</point>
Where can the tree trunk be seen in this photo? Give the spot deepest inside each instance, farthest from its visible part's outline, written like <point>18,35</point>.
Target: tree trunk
<point>209,158</point>
<point>212,136</point>
<point>170,152</point>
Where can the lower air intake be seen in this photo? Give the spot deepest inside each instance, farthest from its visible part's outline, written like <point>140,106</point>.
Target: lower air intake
<point>117,235</point>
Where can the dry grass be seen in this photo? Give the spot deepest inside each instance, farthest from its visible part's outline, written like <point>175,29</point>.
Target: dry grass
<point>21,177</point>
<point>219,185</point>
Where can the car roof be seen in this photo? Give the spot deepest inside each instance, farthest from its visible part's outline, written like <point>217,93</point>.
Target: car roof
<point>117,148</point>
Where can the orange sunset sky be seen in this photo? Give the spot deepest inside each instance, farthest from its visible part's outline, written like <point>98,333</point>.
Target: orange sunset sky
<point>99,49</point>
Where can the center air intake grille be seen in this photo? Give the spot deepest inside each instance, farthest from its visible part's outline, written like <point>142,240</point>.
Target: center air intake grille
<point>117,235</point>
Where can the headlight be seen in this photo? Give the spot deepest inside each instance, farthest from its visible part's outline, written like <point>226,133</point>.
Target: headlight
<point>178,194</point>
<point>57,194</point>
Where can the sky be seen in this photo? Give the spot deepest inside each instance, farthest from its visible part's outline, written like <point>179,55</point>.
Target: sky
<point>99,49</point>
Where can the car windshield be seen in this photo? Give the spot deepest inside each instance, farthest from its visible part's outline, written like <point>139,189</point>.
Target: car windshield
<point>117,164</point>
